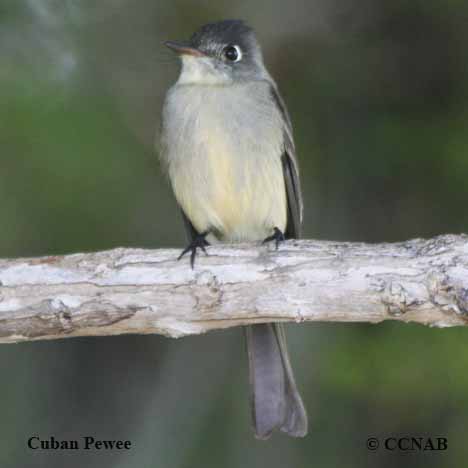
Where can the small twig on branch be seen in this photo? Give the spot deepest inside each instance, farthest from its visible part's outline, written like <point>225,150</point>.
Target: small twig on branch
<point>149,291</point>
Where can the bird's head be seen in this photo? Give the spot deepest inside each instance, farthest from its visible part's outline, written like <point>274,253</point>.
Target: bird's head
<point>220,53</point>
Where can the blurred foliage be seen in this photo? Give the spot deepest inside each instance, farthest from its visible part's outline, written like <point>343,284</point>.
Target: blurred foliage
<point>378,93</point>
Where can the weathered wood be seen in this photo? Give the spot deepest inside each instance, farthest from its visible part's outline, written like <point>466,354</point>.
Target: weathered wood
<point>149,291</point>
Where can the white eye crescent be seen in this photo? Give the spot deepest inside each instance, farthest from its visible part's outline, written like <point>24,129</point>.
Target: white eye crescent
<point>232,53</point>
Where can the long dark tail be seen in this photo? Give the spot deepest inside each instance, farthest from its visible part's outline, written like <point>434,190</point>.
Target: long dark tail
<point>275,400</point>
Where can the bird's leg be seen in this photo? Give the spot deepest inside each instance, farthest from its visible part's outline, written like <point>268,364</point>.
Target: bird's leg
<point>198,242</point>
<point>277,236</point>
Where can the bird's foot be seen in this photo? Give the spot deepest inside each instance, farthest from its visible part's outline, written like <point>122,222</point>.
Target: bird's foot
<point>277,236</point>
<point>198,242</point>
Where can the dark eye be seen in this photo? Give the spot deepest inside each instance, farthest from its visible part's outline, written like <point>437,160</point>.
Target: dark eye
<point>232,53</point>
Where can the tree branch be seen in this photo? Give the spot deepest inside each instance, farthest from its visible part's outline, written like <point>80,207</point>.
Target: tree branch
<point>149,291</point>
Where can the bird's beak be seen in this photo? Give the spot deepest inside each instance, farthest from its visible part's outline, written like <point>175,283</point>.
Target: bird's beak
<point>183,49</point>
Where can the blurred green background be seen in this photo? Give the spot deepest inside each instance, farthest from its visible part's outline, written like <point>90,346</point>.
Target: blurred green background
<point>378,94</point>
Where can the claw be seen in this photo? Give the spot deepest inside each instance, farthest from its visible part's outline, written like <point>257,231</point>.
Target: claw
<point>277,236</point>
<point>198,242</point>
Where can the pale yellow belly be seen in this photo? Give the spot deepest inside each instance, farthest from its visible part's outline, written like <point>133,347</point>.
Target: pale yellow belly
<point>237,197</point>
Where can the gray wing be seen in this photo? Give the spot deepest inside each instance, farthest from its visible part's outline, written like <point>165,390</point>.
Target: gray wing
<point>290,171</point>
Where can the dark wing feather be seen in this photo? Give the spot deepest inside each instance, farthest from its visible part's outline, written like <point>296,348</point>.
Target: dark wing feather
<point>190,231</point>
<point>290,171</point>
<point>291,180</point>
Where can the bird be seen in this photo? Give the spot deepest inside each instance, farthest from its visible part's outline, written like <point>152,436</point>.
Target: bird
<point>227,147</point>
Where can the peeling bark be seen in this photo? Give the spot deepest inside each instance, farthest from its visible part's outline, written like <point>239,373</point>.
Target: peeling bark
<point>149,291</point>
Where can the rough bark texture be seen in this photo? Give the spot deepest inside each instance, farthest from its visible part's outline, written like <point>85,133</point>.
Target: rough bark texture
<point>149,291</point>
